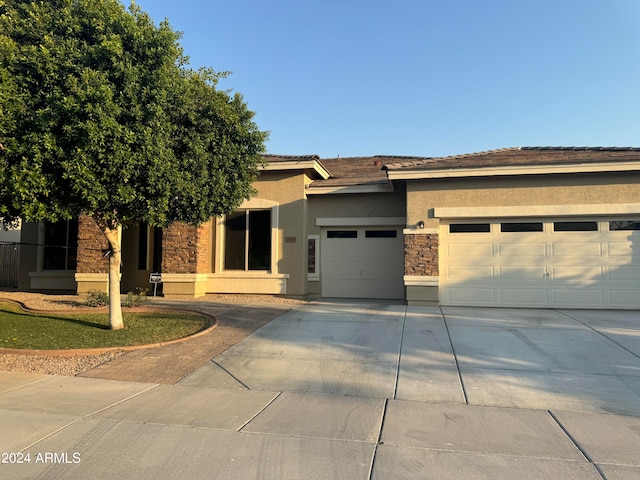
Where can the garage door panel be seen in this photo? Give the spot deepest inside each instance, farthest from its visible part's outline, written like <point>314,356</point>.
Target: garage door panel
<point>583,297</point>
<point>522,273</point>
<point>470,250</point>
<point>529,250</point>
<point>472,295</point>
<point>576,250</point>
<point>523,296</point>
<point>577,273</point>
<point>624,297</point>
<point>618,249</point>
<point>625,274</point>
<point>478,272</point>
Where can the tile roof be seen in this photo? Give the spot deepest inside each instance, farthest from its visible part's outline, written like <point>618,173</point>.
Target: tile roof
<point>289,158</point>
<point>353,171</point>
<point>517,156</point>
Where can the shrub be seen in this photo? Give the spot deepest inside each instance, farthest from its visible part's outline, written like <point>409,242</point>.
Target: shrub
<point>136,298</point>
<point>97,298</point>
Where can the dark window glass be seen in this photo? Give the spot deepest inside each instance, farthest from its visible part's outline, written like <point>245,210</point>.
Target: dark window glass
<point>342,234</point>
<point>624,225</point>
<point>60,245</point>
<point>381,234</point>
<point>248,240</point>
<point>259,240</point>
<point>235,241</point>
<point>521,227</point>
<point>311,255</point>
<point>575,226</point>
<point>469,228</point>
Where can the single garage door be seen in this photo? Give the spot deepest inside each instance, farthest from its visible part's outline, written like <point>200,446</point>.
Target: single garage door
<point>362,262</point>
<point>571,263</point>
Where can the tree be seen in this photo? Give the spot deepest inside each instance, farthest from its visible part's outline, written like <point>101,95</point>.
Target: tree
<point>100,114</point>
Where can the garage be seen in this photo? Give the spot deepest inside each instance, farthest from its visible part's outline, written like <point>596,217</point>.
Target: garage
<point>579,262</point>
<point>362,262</point>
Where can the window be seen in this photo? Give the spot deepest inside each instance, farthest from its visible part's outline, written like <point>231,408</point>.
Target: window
<point>469,228</point>
<point>624,225</point>
<point>381,234</point>
<point>60,245</point>
<point>521,227</point>
<point>575,226</point>
<point>313,258</point>
<point>342,234</point>
<point>248,240</point>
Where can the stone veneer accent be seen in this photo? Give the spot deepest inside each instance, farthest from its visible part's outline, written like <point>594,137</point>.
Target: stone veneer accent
<point>421,254</point>
<point>92,244</point>
<point>185,248</point>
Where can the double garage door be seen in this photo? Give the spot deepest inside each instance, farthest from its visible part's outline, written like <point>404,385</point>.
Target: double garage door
<point>571,263</point>
<point>362,262</point>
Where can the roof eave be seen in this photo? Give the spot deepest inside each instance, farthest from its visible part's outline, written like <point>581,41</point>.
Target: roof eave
<point>298,165</point>
<point>512,170</point>
<point>342,189</point>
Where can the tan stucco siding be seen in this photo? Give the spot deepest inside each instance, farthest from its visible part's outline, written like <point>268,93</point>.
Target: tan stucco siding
<point>425,195</point>
<point>287,189</point>
<point>390,204</point>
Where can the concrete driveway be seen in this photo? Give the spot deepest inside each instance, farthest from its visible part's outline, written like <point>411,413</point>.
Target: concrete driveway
<point>576,360</point>
<point>356,390</point>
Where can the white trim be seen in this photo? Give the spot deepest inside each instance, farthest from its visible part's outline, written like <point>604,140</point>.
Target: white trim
<point>359,221</point>
<point>251,204</point>
<point>420,231</point>
<point>421,281</point>
<point>298,165</point>
<point>537,211</point>
<point>513,170</point>
<point>333,190</point>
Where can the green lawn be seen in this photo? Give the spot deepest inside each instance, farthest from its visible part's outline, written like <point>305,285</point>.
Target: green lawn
<point>20,329</point>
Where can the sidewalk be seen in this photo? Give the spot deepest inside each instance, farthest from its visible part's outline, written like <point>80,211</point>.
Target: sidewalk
<point>344,390</point>
<point>71,427</point>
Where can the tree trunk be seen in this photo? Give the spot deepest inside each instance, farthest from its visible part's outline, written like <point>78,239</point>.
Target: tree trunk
<point>114,236</point>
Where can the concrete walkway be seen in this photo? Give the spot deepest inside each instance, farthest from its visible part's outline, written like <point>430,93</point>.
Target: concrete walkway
<point>355,390</point>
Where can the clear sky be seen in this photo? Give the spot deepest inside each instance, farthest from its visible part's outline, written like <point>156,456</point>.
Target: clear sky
<point>422,77</point>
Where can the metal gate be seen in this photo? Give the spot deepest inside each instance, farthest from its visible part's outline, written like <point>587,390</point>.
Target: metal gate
<point>9,254</point>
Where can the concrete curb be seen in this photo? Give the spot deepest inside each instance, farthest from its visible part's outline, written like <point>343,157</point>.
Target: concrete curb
<point>213,323</point>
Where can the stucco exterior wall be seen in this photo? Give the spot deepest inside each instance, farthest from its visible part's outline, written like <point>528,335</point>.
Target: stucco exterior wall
<point>574,189</point>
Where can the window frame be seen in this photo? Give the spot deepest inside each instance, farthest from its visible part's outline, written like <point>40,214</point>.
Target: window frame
<point>246,213</point>
<point>70,245</point>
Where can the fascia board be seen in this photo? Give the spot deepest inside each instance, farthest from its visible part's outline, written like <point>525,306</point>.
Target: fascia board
<point>537,211</point>
<point>298,165</point>
<point>513,170</point>
<point>334,190</point>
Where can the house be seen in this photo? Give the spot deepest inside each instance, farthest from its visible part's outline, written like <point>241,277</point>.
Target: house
<point>530,227</point>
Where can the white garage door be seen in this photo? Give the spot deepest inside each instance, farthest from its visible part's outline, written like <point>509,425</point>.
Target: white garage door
<point>580,263</point>
<point>362,262</point>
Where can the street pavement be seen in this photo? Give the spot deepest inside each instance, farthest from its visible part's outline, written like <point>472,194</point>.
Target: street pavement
<point>354,390</point>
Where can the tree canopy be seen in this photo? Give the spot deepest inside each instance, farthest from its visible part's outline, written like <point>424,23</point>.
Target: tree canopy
<point>101,114</point>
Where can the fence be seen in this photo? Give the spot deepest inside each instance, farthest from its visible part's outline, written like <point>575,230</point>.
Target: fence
<point>9,265</point>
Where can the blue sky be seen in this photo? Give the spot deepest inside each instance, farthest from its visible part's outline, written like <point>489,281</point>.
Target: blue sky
<point>422,77</point>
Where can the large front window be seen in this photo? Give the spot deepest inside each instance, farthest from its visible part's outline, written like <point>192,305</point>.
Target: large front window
<point>60,245</point>
<point>248,240</point>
